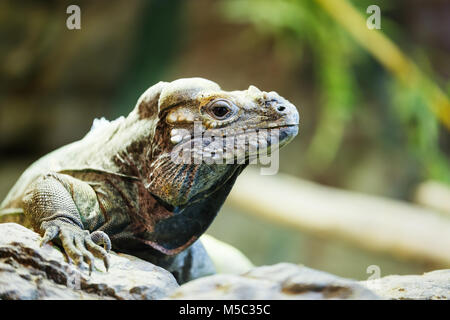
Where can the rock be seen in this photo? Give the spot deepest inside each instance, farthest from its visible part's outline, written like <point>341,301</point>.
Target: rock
<point>28,271</point>
<point>280,281</point>
<point>190,264</point>
<point>226,258</point>
<point>432,285</point>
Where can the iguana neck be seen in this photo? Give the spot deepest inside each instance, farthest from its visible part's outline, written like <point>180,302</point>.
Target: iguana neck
<point>128,145</point>
<point>175,233</point>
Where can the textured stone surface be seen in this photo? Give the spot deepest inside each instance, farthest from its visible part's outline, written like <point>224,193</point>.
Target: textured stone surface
<point>28,271</point>
<point>280,281</point>
<point>226,258</point>
<point>432,285</point>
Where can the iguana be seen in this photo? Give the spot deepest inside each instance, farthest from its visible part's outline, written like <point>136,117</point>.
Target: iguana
<point>120,187</point>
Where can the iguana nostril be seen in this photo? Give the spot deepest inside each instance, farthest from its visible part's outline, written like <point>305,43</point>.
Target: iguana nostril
<point>281,108</point>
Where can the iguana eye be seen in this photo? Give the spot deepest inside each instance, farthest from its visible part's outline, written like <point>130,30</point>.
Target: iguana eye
<point>220,109</point>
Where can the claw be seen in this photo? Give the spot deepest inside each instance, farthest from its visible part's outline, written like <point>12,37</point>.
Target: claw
<point>67,240</point>
<point>97,251</point>
<point>78,244</point>
<point>88,257</point>
<point>90,262</point>
<point>50,233</point>
<point>99,237</point>
<point>106,262</point>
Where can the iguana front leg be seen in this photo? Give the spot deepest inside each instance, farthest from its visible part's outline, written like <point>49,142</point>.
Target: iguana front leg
<point>50,207</point>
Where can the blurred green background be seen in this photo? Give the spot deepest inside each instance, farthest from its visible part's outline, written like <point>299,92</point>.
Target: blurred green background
<point>363,127</point>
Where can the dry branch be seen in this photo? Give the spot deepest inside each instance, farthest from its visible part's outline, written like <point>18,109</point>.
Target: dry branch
<point>371,222</point>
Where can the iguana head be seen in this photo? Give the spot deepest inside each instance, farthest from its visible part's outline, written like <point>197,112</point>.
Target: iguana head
<point>203,134</point>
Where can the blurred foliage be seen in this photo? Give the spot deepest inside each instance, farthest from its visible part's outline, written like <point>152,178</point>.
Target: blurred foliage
<point>338,64</point>
<point>154,48</point>
<point>422,129</point>
<point>304,22</point>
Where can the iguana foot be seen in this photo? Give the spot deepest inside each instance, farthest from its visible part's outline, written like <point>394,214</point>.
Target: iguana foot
<point>78,244</point>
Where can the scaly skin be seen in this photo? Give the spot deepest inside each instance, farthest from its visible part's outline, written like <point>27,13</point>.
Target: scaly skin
<point>119,187</point>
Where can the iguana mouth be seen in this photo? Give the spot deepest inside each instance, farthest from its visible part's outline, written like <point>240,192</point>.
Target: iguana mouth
<point>220,134</point>
<point>238,145</point>
<point>249,130</point>
<point>283,126</point>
